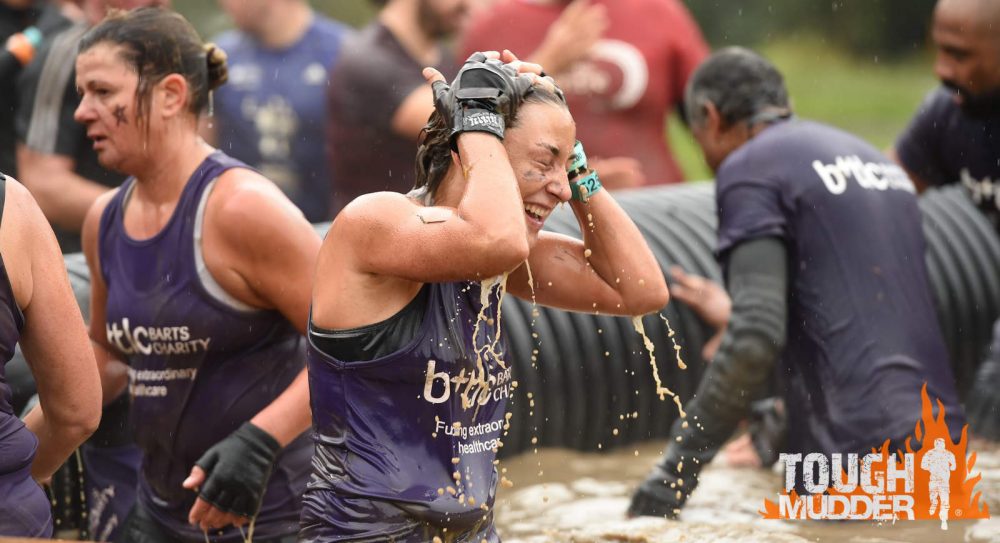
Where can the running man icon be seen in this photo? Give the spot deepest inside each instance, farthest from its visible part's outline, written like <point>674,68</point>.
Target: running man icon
<point>940,462</point>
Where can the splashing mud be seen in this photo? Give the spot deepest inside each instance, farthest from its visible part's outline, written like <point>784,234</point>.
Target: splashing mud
<point>661,390</point>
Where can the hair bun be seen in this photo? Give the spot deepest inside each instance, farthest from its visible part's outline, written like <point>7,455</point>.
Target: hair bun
<point>218,72</point>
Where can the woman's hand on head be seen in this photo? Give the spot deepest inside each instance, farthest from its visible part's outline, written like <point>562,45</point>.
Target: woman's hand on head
<point>522,67</point>
<point>432,75</point>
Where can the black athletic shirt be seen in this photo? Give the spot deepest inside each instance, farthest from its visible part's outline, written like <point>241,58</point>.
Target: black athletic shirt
<point>944,145</point>
<point>863,336</point>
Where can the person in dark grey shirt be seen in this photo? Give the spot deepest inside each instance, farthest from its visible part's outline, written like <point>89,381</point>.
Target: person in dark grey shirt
<point>955,138</point>
<point>823,254</point>
<point>955,135</point>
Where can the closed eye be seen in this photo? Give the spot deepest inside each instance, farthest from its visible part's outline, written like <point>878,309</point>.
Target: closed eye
<point>545,166</point>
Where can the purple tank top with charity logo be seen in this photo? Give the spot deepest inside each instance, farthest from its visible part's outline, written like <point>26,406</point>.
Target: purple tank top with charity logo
<point>201,362</point>
<point>405,444</point>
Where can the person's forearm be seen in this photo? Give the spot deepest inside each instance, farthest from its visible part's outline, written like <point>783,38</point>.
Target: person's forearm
<point>619,254</point>
<point>64,197</point>
<point>56,440</point>
<point>549,59</point>
<point>289,414</point>
<point>736,377</point>
<point>113,373</point>
<point>750,346</point>
<point>492,200</point>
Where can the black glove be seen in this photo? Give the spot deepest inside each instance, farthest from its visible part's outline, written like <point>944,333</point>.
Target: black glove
<point>768,429</point>
<point>983,406</point>
<point>237,469</point>
<point>484,92</point>
<point>666,489</point>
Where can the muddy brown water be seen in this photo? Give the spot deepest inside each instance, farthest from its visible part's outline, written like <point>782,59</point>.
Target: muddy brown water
<point>570,497</point>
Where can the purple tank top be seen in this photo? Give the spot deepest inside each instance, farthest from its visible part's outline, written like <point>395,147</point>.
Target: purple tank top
<point>405,443</point>
<point>201,363</point>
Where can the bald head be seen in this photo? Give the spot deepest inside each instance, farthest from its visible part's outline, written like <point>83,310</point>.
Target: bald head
<point>979,16</point>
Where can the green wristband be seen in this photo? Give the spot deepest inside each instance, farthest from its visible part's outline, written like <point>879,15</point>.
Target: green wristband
<point>583,182</point>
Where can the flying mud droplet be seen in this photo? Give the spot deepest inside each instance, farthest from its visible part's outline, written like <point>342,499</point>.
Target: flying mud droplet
<point>677,348</point>
<point>661,390</point>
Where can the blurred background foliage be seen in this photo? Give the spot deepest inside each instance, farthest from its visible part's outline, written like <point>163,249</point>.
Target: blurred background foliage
<point>879,28</point>
<point>862,65</point>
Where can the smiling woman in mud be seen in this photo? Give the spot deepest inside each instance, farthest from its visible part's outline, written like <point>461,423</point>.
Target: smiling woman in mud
<point>200,271</point>
<point>407,375</point>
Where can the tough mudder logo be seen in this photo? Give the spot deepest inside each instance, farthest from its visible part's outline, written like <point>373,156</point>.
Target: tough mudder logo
<point>933,482</point>
<point>154,340</point>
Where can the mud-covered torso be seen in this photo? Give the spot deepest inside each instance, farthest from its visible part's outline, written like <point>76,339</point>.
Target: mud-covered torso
<point>420,427</point>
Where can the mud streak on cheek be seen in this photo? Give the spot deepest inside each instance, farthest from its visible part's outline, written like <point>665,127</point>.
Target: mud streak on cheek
<point>120,117</point>
<point>533,176</point>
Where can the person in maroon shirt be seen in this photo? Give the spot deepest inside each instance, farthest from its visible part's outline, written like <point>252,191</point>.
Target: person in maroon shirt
<point>624,75</point>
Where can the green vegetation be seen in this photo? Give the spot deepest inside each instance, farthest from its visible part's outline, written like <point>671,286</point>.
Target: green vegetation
<point>870,98</point>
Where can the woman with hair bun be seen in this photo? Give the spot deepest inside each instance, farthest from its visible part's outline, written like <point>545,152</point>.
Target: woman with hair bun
<point>200,276</point>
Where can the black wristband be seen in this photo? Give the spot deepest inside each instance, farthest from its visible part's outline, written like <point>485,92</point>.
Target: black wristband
<point>477,120</point>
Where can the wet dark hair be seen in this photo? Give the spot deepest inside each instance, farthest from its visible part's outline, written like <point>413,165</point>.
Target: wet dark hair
<point>740,83</point>
<point>434,151</point>
<point>157,42</point>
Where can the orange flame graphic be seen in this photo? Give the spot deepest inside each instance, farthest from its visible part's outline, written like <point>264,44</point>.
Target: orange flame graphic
<point>964,499</point>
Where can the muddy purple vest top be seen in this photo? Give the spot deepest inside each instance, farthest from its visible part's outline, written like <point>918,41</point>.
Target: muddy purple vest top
<point>414,432</point>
